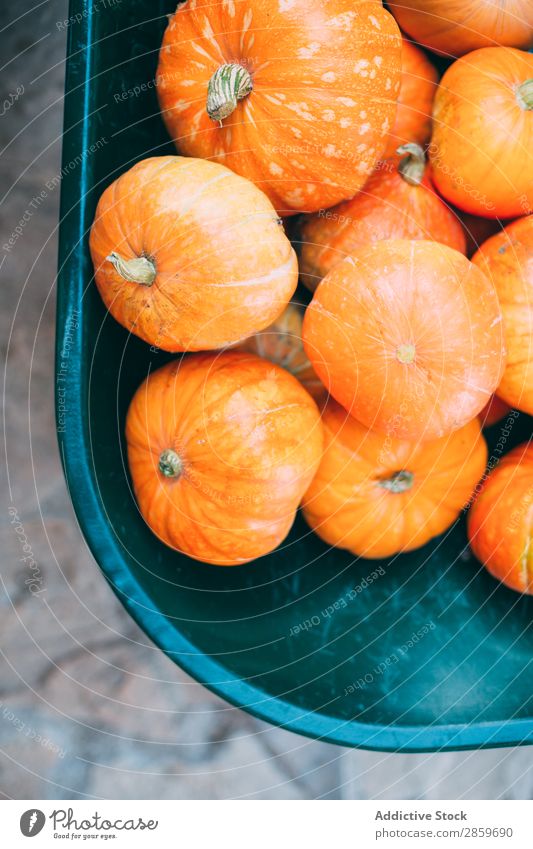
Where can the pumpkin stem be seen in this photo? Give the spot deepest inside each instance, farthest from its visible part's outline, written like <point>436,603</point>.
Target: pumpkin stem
<point>228,84</point>
<point>412,166</point>
<point>139,270</point>
<point>398,482</point>
<point>170,464</point>
<point>524,94</point>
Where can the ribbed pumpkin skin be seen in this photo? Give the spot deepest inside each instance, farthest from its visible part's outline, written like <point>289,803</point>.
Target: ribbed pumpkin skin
<point>326,76</point>
<point>281,343</point>
<point>249,439</point>
<point>348,505</point>
<point>224,267</point>
<point>481,149</point>
<point>415,101</point>
<point>507,259</point>
<point>388,207</point>
<point>409,338</point>
<point>500,522</point>
<point>455,27</point>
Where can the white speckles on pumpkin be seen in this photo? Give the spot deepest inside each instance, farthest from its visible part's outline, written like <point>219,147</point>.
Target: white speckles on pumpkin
<point>295,197</point>
<point>362,115</point>
<point>247,20</point>
<point>272,99</point>
<point>359,67</point>
<point>296,132</point>
<point>309,51</point>
<point>229,6</point>
<point>187,83</point>
<point>181,105</point>
<point>385,127</point>
<point>328,77</point>
<point>374,21</point>
<point>275,169</point>
<point>364,128</point>
<point>286,5</point>
<point>388,84</point>
<point>331,151</point>
<point>328,115</point>
<point>342,21</point>
<point>378,60</point>
<point>346,101</point>
<point>360,148</point>
<point>345,122</point>
<point>199,49</point>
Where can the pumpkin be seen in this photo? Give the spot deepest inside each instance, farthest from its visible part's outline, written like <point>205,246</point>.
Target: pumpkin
<point>408,337</point>
<point>296,95</point>
<point>454,28</point>
<point>398,202</point>
<point>494,411</point>
<point>281,343</point>
<point>189,256</point>
<point>481,149</point>
<point>415,100</point>
<point>378,495</point>
<point>500,522</point>
<point>221,448</point>
<point>507,259</point>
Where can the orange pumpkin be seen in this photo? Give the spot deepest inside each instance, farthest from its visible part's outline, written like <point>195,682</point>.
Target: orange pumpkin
<point>377,495</point>
<point>415,101</point>
<point>455,27</point>
<point>493,411</point>
<point>189,256</point>
<point>500,522</point>
<point>507,259</point>
<point>297,95</point>
<point>398,202</point>
<point>408,337</point>
<point>221,448</point>
<point>281,343</point>
<point>481,150</point>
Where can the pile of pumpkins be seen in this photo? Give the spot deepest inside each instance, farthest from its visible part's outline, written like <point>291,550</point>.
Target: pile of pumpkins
<point>321,119</point>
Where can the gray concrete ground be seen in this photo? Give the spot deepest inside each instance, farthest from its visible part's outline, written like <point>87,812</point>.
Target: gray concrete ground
<point>88,707</point>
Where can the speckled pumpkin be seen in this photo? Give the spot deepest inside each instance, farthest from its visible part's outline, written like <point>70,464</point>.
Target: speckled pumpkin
<point>500,522</point>
<point>221,448</point>
<point>299,95</point>
<point>189,256</point>
<point>378,495</point>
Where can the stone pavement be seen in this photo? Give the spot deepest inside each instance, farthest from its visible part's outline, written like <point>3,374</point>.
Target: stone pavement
<point>88,707</point>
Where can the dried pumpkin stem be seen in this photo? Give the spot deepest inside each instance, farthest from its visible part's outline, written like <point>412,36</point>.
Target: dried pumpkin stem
<point>170,464</point>
<point>524,94</point>
<point>139,270</point>
<point>398,482</point>
<point>229,84</point>
<point>413,165</point>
